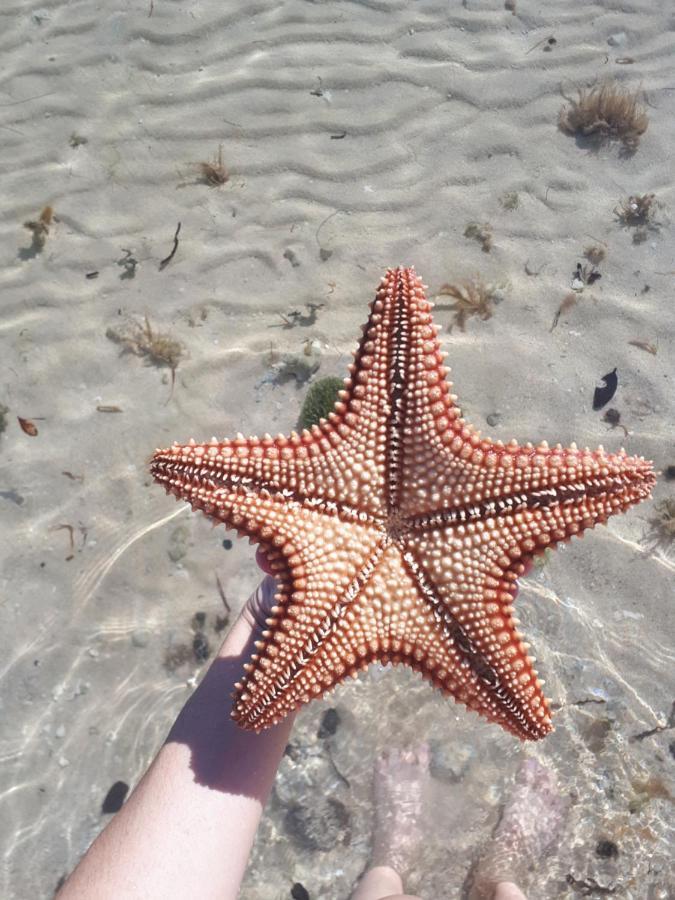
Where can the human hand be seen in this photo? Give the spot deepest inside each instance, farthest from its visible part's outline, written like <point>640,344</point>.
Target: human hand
<point>258,606</point>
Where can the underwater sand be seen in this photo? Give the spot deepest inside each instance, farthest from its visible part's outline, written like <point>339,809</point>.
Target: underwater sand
<point>358,136</point>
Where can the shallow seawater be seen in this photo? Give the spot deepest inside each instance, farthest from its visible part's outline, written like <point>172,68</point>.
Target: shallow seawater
<point>357,136</point>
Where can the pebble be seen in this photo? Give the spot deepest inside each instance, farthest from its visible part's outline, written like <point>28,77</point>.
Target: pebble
<point>63,762</point>
<point>493,419</point>
<point>115,797</point>
<point>140,637</point>
<point>60,732</point>
<point>329,723</point>
<point>618,39</point>
<point>607,849</point>
<point>320,826</point>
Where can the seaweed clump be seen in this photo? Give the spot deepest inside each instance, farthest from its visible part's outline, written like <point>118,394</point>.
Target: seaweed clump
<point>320,400</point>
<point>595,254</point>
<point>606,112</point>
<point>663,523</point>
<point>471,297</point>
<point>157,348</point>
<point>213,172</point>
<point>39,230</point>
<point>639,212</point>
<point>481,233</point>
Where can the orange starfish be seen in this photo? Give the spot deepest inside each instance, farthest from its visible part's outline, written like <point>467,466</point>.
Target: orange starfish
<point>395,531</point>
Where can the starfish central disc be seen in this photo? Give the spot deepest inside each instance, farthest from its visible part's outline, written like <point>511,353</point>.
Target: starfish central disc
<point>395,531</point>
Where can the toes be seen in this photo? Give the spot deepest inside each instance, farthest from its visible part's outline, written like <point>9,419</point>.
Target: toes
<point>423,755</point>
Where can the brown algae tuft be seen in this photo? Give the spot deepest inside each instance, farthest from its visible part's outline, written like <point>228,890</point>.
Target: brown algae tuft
<point>606,112</point>
<point>214,172</point>
<point>157,348</point>
<point>471,297</point>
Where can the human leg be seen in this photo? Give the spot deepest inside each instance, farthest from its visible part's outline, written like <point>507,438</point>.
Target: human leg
<point>401,778</point>
<point>530,821</point>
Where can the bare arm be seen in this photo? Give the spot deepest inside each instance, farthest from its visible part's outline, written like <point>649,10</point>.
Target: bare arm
<point>188,827</point>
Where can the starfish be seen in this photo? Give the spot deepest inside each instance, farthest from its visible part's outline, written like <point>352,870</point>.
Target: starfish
<point>396,533</point>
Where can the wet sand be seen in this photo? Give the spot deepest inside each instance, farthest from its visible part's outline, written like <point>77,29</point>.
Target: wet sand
<point>357,137</point>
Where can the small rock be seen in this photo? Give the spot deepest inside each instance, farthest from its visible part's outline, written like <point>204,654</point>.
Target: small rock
<point>115,798</point>
<point>60,732</point>
<point>140,637</point>
<point>198,621</point>
<point>329,723</point>
<point>322,826</point>
<point>63,762</point>
<point>227,544</point>
<point>607,850</point>
<point>291,256</point>
<point>200,647</point>
<point>325,254</point>
<point>299,892</point>
<point>618,39</point>
<point>493,419</point>
<point>178,543</point>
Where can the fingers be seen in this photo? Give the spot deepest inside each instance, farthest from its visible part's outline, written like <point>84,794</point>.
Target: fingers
<point>261,560</point>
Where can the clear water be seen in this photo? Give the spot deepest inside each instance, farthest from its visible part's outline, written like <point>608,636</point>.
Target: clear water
<point>444,109</point>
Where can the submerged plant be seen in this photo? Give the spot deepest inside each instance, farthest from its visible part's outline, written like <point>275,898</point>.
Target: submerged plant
<point>481,233</point>
<point>663,523</point>
<point>595,254</point>
<point>606,112</point>
<point>320,400</point>
<point>157,348</point>
<point>39,230</point>
<point>639,212</point>
<point>471,297</point>
<point>214,172</point>
<point>510,200</point>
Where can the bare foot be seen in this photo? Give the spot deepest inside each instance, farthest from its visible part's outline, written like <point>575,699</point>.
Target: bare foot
<point>401,779</point>
<point>529,824</point>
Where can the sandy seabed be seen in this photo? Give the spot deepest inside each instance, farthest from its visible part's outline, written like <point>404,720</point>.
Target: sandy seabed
<point>357,136</point>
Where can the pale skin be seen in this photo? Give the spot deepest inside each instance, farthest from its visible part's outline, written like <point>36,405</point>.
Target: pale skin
<point>188,827</point>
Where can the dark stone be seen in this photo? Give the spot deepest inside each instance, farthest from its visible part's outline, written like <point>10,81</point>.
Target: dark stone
<point>669,473</point>
<point>493,419</point>
<point>198,621</point>
<point>607,850</point>
<point>322,826</point>
<point>299,892</point>
<point>115,798</point>
<point>227,544</point>
<point>612,416</point>
<point>329,723</point>
<point>200,647</point>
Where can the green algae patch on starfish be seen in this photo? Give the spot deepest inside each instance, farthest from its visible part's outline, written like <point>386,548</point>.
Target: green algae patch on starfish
<point>320,400</point>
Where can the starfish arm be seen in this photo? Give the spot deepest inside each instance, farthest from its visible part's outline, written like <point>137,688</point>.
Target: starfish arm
<point>582,487</point>
<point>320,465</point>
<point>320,575</point>
<point>471,592</point>
<point>340,459</point>
<point>385,619</point>
<point>440,462</point>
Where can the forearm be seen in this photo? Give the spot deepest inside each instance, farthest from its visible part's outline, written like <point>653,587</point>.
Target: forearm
<point>188,827</point>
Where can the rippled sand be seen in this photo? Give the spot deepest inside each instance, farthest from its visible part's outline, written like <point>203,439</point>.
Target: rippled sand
<point>358,136</point>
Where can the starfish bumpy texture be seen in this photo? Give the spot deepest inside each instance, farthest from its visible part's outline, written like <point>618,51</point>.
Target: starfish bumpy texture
<point>395,531</point>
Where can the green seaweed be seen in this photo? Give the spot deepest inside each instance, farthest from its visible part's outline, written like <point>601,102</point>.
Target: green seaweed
<point>319,400</point>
